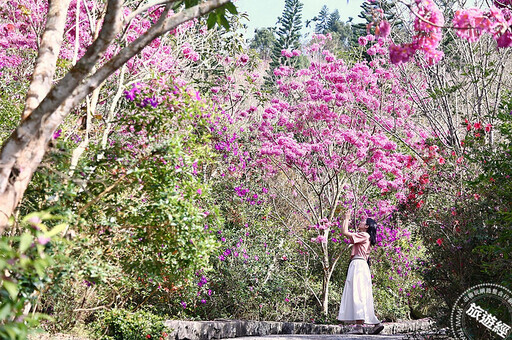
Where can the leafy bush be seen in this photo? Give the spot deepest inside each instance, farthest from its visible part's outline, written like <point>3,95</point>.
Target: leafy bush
<point>23,263</point>
<point>121,324</point>
<point>81,276</point>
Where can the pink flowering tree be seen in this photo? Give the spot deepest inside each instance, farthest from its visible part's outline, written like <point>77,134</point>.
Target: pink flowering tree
<point>337,137</point>
<point>47,103</point>
<point>468,23</point>
<point>467,90</point>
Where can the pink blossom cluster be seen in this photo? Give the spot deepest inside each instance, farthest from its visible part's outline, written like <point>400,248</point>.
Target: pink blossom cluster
<point>471,23</point>
<point>319,239</point>
<point>290,54</point>
<point>20,24</point>
<point>242,59</point>
<point>378,44</point>
<point>378,48</point>
<point>427,26</point>
<point>343,118</point>
<point>189,52</point>
<point>383,29</point>
<point>22,21</point>
<point>321,38</point>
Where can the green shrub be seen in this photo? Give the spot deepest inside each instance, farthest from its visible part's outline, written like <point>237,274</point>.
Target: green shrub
<point>122,324</point>
<point>24,258</point>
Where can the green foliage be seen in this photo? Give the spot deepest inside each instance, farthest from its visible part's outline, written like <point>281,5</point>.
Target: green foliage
<point>288,32</point>
<point>397,286</point>
<point>10,107</point>
<point>322,20</point>
<point>251,279</point>
<point>263,41</point>
<point>465,222</point>
<point>215,17</point>
<point>83,274</point>
<point>23,263</point>
<point>165,204</point>
<point>146,217</point>
<point>218,16</point>
<point>258,272</point>
<point>120,324</point>
<point>170,232</point>
<point>495,188</point>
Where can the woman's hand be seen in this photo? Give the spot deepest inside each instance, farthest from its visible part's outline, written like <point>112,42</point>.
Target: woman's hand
<point>347,214</point>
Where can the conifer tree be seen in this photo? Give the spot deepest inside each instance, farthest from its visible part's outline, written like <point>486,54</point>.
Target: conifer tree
<point>331,23</point>
<point>334,19</point>
<point>288,32</point>
<point>322,20</point>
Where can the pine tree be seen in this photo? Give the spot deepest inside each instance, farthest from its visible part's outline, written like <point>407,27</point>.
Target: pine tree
<point>322,20</point>
<point>288,33</point>
<point>334,19</point>
<point>331,23</point>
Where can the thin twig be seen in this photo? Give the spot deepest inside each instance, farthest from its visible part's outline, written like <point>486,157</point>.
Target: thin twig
<point>89,309</point>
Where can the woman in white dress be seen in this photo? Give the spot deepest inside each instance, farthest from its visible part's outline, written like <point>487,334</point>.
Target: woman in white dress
<point>357,299</point>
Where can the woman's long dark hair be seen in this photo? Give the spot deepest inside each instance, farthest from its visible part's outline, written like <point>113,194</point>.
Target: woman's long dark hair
<point>372,230</point>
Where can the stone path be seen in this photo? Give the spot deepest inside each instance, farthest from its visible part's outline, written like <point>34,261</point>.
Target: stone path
<point>268,330</point>
<point>325,337</point>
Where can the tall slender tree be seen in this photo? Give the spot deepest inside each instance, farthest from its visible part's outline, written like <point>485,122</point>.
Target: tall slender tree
<point>322,20</point>
<point>288,33</point>
<point>334,18</point>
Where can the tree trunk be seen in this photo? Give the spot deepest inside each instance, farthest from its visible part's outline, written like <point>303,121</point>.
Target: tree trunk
<point>325,291</point>
<point>23,151</point>
<point>328,270</point>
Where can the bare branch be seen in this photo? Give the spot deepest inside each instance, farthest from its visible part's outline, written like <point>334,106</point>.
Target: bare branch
<point>77,32</point>
<point>144,8</point>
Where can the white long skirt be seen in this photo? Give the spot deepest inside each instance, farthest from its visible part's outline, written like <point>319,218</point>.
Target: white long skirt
<point>357,298</point>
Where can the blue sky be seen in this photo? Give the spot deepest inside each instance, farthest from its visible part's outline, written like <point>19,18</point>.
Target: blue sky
<point>264,13</point>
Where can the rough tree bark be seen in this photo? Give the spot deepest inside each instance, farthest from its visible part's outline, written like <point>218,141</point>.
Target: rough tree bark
<point>46,107</point>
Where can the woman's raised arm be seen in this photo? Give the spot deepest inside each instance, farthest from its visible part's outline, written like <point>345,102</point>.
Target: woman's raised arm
<point>344,227</point>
